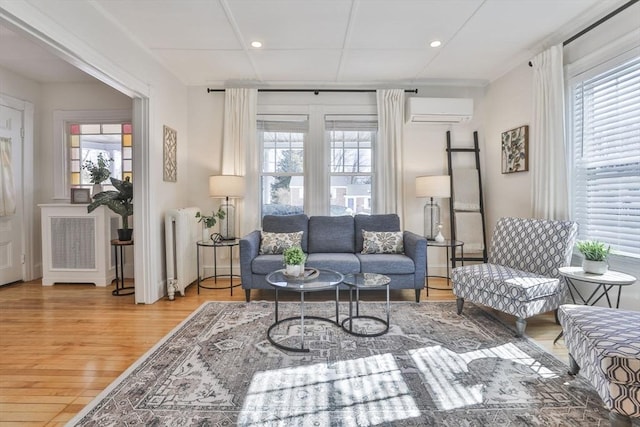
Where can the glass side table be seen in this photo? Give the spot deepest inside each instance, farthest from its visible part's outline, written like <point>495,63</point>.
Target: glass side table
<point>230,244</point>
<point>447,244</point>
<point>365,281</point>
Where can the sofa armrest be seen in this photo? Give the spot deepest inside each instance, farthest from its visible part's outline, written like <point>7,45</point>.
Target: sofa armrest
<point>415,247</point>
<point>249,249</point>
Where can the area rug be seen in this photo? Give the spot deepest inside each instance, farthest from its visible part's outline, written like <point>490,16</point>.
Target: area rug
<point>433,367</point>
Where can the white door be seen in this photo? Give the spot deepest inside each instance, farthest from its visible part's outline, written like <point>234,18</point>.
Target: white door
<point>11,245</point>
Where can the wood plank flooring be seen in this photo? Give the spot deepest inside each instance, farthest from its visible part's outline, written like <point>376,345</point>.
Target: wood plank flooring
<point>62,345</point>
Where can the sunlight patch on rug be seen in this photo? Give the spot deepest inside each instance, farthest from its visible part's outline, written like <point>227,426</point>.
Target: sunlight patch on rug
<point>363,392</point>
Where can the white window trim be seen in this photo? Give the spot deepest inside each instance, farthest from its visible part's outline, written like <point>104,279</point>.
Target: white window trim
<point>61,186</point>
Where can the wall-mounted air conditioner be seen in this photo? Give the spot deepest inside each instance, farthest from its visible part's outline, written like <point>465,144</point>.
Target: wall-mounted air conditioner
<point>438,110</point>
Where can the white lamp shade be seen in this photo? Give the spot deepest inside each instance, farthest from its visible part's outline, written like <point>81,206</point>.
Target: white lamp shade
<point>222,186</point>
<point>433,186</point>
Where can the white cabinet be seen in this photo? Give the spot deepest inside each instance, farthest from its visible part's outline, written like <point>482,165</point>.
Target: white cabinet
<point>76,245</point>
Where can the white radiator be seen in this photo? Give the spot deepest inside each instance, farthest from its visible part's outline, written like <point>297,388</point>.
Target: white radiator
<point>182,231</point>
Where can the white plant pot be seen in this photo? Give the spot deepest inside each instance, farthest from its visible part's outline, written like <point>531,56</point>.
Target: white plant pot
<point>97,188</point>
<point>294,270</point>
<point>594,267</point>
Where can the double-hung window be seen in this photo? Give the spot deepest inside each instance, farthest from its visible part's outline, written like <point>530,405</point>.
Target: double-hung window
<point>320,163</point>
<point>351,142</point>
<point>605,113</point>
<point>283,140</point>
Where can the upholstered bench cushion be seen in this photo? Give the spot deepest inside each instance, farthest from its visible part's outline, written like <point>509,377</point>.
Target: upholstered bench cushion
<point>514,284</point>
<point>609,338</point>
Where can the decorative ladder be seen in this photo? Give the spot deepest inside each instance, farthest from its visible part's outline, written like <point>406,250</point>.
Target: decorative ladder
<point>475,150</point>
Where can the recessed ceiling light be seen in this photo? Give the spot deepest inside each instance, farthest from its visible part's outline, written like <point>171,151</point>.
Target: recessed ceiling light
<point>256,44</point>
<point>435,43</point>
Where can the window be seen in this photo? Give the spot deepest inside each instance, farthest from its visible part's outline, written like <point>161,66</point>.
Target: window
<point>282,175</point>
<point>351,142</point>
<point>606,154</point>
<point>320,163</point>
<point>88,141</point>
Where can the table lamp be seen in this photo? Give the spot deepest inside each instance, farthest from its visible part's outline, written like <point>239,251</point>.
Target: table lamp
<point>433,186</point>
<point>226,187</point>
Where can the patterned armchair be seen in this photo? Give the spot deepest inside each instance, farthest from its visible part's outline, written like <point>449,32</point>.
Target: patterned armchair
<point>521,277</point>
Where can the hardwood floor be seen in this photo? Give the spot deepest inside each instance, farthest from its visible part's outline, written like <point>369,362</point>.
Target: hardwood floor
<point>62,345</point>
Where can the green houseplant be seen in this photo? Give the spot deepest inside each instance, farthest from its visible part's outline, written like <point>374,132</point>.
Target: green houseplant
<point>119,201</point>
<point>294,259</point>
<point>595,256</point>
<point>98,172</point>
<point>209,221</point>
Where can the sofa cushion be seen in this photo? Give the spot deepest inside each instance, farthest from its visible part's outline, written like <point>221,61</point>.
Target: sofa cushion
<point>386,264</point>
<point>341,262</point>
<point>328,234</point>
<point>288,224</point>
<point>383,222</point>
<point>382,242</point>
<point>500,280</point>
<point>276,243</point>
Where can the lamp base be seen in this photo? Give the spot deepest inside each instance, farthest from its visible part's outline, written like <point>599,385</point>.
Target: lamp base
<point>227,225</point>
<point>431,220</point>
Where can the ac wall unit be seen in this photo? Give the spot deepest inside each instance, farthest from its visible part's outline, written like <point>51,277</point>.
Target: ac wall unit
<point>438,110</point>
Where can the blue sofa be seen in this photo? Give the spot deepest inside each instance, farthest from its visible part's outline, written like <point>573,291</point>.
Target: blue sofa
<point>335,243</point>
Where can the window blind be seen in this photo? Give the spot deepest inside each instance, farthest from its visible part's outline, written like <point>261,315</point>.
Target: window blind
<point>606,144</point>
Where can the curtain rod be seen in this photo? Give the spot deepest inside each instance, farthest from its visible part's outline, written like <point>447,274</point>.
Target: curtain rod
<point>597,23</point>
<point>315,91</point>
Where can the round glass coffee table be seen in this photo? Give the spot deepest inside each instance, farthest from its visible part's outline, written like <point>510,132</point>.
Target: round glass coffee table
<point>365,281</point>
<point>324,280</point>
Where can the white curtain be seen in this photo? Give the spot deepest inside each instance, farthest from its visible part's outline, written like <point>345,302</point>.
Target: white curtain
<point>239,152</point>
<point>7,190</point>
<point>389,195</point>
<point>548,163</point>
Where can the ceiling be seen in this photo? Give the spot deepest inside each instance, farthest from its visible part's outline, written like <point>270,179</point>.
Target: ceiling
<point>327,42</point>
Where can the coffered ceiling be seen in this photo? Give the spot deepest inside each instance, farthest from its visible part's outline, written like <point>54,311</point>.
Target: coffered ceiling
<point>328,42</point>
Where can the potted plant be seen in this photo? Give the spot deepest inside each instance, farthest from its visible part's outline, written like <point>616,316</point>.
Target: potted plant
<point>294,259</point>
<point>209,221</point>
<point>595,256</point>
<point>120,202</point>
<point>99,172</point>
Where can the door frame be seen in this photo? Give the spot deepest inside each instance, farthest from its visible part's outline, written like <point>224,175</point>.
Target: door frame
<point>26,187</point>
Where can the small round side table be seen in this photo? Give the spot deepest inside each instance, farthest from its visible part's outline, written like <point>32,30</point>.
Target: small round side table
<point>448,244</point>
<point>215,245</point>
<point>118,248</point>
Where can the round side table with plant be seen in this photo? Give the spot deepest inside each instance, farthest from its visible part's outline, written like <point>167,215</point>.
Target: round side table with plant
<point>595,256</point>
<point>294,259</point>
<point>119,201</point>
<point>98,172</point>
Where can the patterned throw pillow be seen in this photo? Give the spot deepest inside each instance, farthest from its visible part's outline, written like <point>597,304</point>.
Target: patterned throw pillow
<point>276,243</point>
<point>382,242</point>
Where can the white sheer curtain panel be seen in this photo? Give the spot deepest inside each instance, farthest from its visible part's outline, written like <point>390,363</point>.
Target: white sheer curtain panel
<point>7,190</point>
<point>389,195</point>
<point>240,153</point>
<point>549,196</point>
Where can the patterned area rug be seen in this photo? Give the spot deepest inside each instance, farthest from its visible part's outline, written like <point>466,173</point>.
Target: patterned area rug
<point>433,367</point>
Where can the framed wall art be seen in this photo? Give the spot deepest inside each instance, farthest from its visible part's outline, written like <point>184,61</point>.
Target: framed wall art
<point>170,156</point>
<point>80,195</point>
<point>515,150</point>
